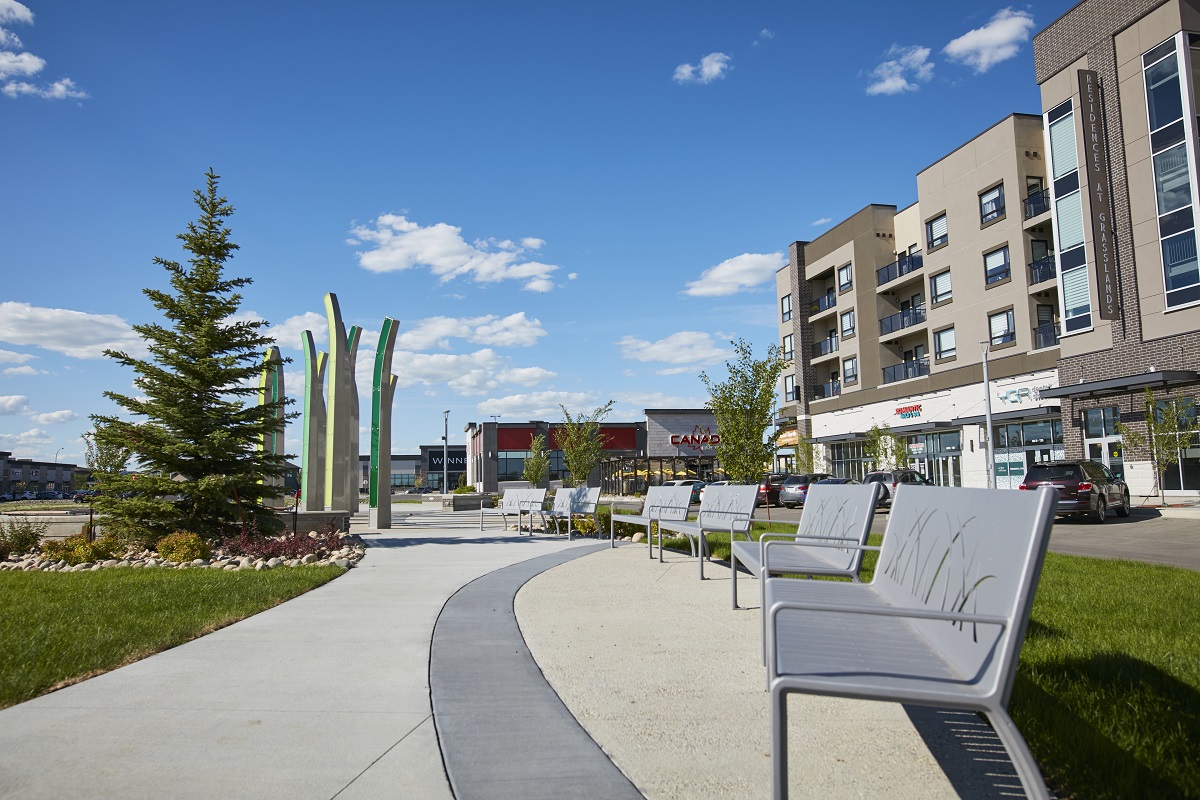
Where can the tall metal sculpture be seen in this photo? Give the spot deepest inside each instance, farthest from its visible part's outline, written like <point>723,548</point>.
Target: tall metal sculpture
<point>270,390</point>
<point>354,474</point>
<point>312,458</point>
<point>340,397</point>
<point>383,390</point>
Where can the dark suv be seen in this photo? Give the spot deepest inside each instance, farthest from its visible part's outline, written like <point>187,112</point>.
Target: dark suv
<point>1084,487</point>
<point>795,488</point>
<point>893,479</point>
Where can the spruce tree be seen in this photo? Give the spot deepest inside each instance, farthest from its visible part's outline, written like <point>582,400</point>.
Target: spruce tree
<point>193,430</point>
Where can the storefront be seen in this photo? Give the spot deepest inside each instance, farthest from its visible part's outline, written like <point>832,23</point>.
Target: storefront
<point>679,444</point>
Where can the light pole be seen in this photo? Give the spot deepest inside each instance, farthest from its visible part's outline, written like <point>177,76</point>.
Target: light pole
<point>445,448</point>
<point>987,415</point>
<point>56,452</point>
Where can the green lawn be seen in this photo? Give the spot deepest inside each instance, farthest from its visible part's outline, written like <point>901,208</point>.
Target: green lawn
<point>59,628</point>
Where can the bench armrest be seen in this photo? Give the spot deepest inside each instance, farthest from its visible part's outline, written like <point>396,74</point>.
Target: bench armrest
<point>887,611</point>
<point>787,539</point>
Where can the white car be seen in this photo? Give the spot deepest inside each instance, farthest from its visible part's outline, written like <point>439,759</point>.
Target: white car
<point>714,483</point>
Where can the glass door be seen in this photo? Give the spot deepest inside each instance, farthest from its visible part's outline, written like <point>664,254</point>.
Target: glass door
<point>1101,441</point>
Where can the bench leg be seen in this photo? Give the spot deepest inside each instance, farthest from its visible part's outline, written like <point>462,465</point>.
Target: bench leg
<point>1027,768</point>
<point>779,770</point>
<point>733,576</point>
<point>701,551</point>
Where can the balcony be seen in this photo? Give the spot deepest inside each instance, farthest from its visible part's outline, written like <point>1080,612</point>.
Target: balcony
<point>1045,336</point>
<point>1037,204</point>
<point>825,347</point>
<point>904,319</point>
<point>823,304</point>
<point>826,390</point>
<point>1042,270</point>
<point>906,369</point>
<point>906,264</point>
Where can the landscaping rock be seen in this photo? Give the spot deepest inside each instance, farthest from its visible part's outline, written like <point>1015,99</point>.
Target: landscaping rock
<point>640,536</point>
<point>274,562</point>
<point>309,559</point>
<point>344,563</point>
<point>200,562</point>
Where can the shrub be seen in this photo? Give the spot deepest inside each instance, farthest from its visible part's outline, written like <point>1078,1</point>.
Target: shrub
<point>182,546</point>
<point>290,545</point>
<point>20,536</point>
<point>78,550</point>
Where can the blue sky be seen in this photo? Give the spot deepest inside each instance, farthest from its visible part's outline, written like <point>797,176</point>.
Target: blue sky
<point>560,202</point>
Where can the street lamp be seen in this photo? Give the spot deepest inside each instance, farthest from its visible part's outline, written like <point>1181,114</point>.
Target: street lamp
<point>56,452</point>
<point>987,415</point>
<point>445,448</point>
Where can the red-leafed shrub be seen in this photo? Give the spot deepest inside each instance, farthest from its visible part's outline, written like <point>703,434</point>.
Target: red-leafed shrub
<point>291,545</point>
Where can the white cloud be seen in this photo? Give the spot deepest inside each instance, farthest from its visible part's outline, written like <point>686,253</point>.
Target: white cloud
<point>464,373</point>
<point>765,35</point>
<point>737,274</point>
<point>59,90</point>
<point>19,64</point>
<point>433,332</point>
<point>904,66</point>
<point>287,334</point>
<point>401,244</point>
<point>538,405</point>
<point>712,67</point>
<point>52,417</point>
<point>73,333</point>
<point>686,349</point>
<point>25,370</point>
<point>643,400</point>
<point>9,357</point>
<point>10,39</point>
<point>999,40</point>
<point>531,243</point>
<point>12,11</point>
<point>515,330</point>
<point>816,223</point>
<point>526,376</point>
<point>13,404</point>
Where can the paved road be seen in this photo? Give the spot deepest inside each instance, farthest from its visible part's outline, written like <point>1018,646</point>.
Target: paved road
<point>1145,535</point>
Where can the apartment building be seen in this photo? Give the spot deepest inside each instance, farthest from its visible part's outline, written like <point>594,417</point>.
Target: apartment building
<point>1119,87</point>
<point>1061,249</point>
<point>901,307</point>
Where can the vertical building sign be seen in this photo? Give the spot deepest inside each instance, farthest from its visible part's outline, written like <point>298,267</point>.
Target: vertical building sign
<point>1095,154</point>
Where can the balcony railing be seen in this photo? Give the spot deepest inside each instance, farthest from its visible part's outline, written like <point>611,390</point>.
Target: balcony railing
<point>905,319</point>
<point>906,370</point>
<point>1045,335</point>
<point>1037,203</point>
<point>1042,270</point>
<point>824,390</point>
<point>825,347</point>
<point>823,304</point>
<point>906,264</point>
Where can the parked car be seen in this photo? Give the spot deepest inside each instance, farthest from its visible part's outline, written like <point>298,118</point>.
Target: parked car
<point>837,480</point>
<point>795,488</point>
<point>697,487</point>
<point>1084,487</point>
<point>893,479</point>
<point>84,495</point>
<point>48,495</point>
<point>24,496</point>
<point>768,489</point>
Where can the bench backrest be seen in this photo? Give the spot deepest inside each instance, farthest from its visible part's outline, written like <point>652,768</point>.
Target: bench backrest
<point>842,512</point>
<point>510,503</point>
<point>667,502</point>
<point>721,505</point>
<point>579,500</point>
<point>971,551</point>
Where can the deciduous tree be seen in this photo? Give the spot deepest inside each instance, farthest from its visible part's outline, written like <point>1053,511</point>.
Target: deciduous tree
<point>743,404</point>
<point>886,450</point>
<point>537,463</point>
<point>1170,426</point>
<point>581,443</point>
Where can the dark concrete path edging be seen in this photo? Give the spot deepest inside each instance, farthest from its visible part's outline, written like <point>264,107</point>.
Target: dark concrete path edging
<point>504,732</point>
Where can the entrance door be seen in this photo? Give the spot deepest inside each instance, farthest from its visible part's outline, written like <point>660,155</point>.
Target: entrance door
<point>1101,441</point>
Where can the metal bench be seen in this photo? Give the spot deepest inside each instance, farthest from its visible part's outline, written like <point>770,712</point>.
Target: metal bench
<point>940,624</point>
<point>662,502</point>
<point>828,540</point>
<point>722,508</point>
<point>516,502</point>
<point>577,502</point>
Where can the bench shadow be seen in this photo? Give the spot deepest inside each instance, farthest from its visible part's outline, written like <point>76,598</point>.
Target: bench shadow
<point>392,540</point>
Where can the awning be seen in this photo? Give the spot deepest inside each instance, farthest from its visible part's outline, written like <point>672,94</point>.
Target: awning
<point>1005,416</point>
<point>1159,379</point>
<point>921,427</point>
<point>841,437</point>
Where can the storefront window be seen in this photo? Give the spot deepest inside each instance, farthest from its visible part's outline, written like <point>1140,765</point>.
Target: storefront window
<point>847,460</point>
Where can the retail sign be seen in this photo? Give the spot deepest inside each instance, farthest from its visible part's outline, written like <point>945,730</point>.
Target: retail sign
<point>1095,156</point>
<point>699,439</point>
<point>909,412</point>
<point>1020,395</point>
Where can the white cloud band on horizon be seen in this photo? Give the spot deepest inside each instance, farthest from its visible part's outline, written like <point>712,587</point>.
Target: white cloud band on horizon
<point>73,333</point>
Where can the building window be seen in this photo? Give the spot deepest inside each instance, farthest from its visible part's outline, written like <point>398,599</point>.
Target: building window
<point>943,343</point>
<point>789,352</point>
<point>850,369</point>
<point>1000,325</point>
<point>789,388</point>
<point>785,307</point>
<point>939,287</point>
<point>936,232</point>
<point>845,277</point>
<point>991,204</point>
<point>847,323</point>
<point>995,265</point>
<point>1074,286</point>
<point>1172,149</point>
